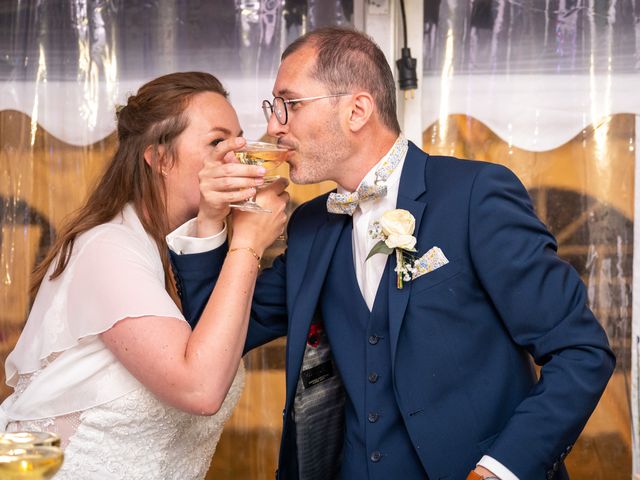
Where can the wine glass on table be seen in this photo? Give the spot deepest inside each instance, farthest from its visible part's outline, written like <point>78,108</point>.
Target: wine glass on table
<point>267,155</point>
<point>30,463</point>
<point>29,455</point>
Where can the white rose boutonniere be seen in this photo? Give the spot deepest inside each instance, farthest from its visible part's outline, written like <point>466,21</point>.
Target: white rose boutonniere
<point>394,230</point>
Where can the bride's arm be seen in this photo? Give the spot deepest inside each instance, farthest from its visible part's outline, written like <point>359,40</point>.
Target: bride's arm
<point>193,370</point>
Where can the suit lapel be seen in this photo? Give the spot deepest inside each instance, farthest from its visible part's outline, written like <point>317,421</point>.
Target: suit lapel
<point>412,186</point>
<point>308,290</point>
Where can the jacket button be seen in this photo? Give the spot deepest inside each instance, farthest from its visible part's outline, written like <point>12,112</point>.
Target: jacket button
<point>373,377</point>
<point>373,339</point>
<point>373,417</point>
<point>376,456</point>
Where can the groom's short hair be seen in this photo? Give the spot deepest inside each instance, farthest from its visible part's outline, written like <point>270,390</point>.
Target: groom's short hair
<point>347,60</point>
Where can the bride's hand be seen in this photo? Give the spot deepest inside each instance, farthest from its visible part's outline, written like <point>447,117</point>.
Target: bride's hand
<point>260,230</point>
<point>223,180</point>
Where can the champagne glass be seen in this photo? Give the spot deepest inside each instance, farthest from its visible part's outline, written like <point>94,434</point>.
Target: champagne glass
<point>267,155</point>
<point>28,439</point>
<point>29,463</point>
<point>29,455</point>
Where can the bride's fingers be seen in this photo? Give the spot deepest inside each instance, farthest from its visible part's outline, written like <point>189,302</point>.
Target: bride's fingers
<point>226,184</point>
<point>230,157</point>
<point>231,170</point>
<point>274,199</point>
<point>238,195</point>
<point>235,195</point>
<point>224,149</point>
<point>227,177</point>
<point>278,185</point>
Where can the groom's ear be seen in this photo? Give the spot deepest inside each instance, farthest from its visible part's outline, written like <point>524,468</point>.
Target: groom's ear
<point>361,109</point>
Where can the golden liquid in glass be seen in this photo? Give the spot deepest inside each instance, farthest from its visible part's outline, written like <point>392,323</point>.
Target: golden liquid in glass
<point>36,463</point>
<point>266,155</point>
<point>269,159</point>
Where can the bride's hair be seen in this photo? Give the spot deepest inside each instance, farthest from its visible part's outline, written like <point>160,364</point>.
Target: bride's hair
<point>154,117</point>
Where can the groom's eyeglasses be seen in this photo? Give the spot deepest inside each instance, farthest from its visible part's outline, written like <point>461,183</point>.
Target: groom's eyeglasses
<point>279,106</point>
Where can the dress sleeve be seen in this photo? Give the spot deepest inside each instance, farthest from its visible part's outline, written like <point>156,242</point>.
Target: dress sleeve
<point>112,274</point>
<point>114,277</point>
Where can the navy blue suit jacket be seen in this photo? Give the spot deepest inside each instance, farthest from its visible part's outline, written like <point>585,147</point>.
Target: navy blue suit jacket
<point>462,336</point>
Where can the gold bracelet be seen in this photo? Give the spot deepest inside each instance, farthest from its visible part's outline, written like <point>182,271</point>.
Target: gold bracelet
<point>250,250</point>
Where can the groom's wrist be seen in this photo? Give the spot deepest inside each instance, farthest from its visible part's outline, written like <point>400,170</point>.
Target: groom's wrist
<point>481,474</point>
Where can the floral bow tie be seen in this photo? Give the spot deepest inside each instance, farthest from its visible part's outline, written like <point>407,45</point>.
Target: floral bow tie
<point>346,203</point>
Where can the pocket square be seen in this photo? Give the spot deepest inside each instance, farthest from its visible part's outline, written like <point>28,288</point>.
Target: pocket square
<point>428,262</point>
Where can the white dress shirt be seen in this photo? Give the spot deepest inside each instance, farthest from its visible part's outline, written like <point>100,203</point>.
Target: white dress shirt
<point>368,273</point>
<point>183,239</point>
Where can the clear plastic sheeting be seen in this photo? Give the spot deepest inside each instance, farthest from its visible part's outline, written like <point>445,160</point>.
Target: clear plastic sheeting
<point>536,72</point>
<point>67,63</point>
<point>549,88</point>
<point>64,66</point>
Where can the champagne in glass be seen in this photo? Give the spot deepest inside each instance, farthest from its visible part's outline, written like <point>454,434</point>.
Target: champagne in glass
<point>266,155</point>
<point>30,463</point>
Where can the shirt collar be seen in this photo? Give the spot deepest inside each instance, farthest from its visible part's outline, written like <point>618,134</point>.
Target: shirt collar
<point>370,177</point>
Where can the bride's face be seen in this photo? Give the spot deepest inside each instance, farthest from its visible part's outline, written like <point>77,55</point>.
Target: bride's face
<point>211,119</point>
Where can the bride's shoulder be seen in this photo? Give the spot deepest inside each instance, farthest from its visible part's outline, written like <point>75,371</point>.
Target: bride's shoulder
<point>124,233</point>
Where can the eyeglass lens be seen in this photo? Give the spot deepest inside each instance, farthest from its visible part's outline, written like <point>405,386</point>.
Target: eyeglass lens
<point>279,108</point>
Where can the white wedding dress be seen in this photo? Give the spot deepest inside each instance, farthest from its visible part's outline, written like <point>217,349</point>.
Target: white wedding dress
<point>137,437</point>
<point>67,381</point>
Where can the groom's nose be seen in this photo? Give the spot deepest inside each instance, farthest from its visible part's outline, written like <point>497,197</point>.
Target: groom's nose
<point>275,128</point>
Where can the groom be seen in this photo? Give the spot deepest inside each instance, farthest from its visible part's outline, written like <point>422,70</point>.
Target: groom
<point>428,375</point>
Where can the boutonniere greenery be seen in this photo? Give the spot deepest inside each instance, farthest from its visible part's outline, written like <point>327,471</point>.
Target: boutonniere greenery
<point>394,231</point>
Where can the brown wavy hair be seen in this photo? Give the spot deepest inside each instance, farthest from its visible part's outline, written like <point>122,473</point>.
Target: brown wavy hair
<point>154,117</point>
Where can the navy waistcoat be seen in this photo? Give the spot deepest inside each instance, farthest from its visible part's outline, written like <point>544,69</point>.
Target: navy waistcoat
<point>376,442</point>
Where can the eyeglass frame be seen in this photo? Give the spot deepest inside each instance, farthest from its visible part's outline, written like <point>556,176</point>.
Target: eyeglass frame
<point>268,108</point>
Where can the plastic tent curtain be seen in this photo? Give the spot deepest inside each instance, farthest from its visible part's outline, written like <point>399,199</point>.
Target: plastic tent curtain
<point>549,88</point>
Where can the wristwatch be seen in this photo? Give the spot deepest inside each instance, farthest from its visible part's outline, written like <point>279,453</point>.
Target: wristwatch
<point>473,475</point>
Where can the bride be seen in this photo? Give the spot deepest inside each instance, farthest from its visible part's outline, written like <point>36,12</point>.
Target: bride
<point>106,358</point>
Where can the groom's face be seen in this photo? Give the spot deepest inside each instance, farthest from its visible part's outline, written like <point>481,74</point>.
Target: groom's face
<point>313,130</point>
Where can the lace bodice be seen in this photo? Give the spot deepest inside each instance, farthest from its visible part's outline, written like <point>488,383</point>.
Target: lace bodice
<point>137,437</point>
